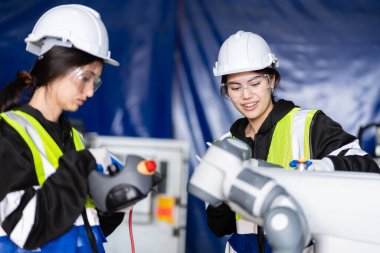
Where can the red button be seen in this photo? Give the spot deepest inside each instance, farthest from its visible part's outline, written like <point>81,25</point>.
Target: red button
<point>150,165</point>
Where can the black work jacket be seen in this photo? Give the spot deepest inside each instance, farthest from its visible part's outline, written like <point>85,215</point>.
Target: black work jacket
<point>62,197</point>
<point>326,136</point>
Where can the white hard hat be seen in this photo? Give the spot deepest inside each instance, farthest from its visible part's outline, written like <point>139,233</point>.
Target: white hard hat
<point>244,51</point>
<point>71,25</point>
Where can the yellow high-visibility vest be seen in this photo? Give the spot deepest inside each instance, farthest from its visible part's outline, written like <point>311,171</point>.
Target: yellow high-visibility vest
<point>290,139</point>
<point>45,151</point>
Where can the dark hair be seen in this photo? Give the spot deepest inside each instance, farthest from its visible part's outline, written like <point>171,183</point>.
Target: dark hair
<point>52,65</point>
<point>273,73</point>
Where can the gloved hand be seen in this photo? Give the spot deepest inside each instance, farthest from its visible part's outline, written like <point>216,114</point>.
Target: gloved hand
<point>106,162</point>
<point>324,164</point>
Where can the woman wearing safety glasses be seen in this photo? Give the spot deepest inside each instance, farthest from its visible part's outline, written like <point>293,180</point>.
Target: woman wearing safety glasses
<point>44,203</point>
<point>278,132</point>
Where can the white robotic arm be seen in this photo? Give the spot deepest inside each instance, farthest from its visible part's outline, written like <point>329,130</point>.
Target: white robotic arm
<point>261,200</point>
<point>222,177</point>
<point>292,205</point>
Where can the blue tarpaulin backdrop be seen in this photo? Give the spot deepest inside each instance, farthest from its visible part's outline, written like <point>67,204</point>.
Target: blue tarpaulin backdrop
<point>329,55</point>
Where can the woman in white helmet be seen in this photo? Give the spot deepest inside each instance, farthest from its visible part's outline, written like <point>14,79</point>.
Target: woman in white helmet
<point>44,203</point>
<point>277,131</point>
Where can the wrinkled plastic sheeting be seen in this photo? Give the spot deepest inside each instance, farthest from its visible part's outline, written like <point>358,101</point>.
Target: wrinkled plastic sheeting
<point>329,55</point>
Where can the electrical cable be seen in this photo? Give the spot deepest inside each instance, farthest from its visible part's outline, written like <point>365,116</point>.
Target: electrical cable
<point>130,231</point>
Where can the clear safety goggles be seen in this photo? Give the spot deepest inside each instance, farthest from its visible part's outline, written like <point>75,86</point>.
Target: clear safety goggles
<point>83,79</point>
<point>254,85</point>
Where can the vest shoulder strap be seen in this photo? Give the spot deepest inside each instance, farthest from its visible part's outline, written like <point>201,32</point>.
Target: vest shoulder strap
<point>20,125</point>
<point>291,137</point>
<point>79,142</point>
<point>44,149</point>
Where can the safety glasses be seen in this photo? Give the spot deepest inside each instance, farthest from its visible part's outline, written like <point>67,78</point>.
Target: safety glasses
<point>84,79</point>
<point>254,85</point>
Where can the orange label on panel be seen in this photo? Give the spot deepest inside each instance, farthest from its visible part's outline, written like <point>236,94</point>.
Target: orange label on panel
<point>165,209</point>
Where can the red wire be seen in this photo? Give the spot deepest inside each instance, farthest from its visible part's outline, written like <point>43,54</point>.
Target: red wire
<point>130,231</point>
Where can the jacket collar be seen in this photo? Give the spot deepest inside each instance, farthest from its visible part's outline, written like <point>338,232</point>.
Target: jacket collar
<point>280,109</point>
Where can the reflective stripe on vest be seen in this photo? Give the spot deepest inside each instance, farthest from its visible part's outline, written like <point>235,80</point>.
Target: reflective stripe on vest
<point>291,138</point>
<point>45,150</point>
